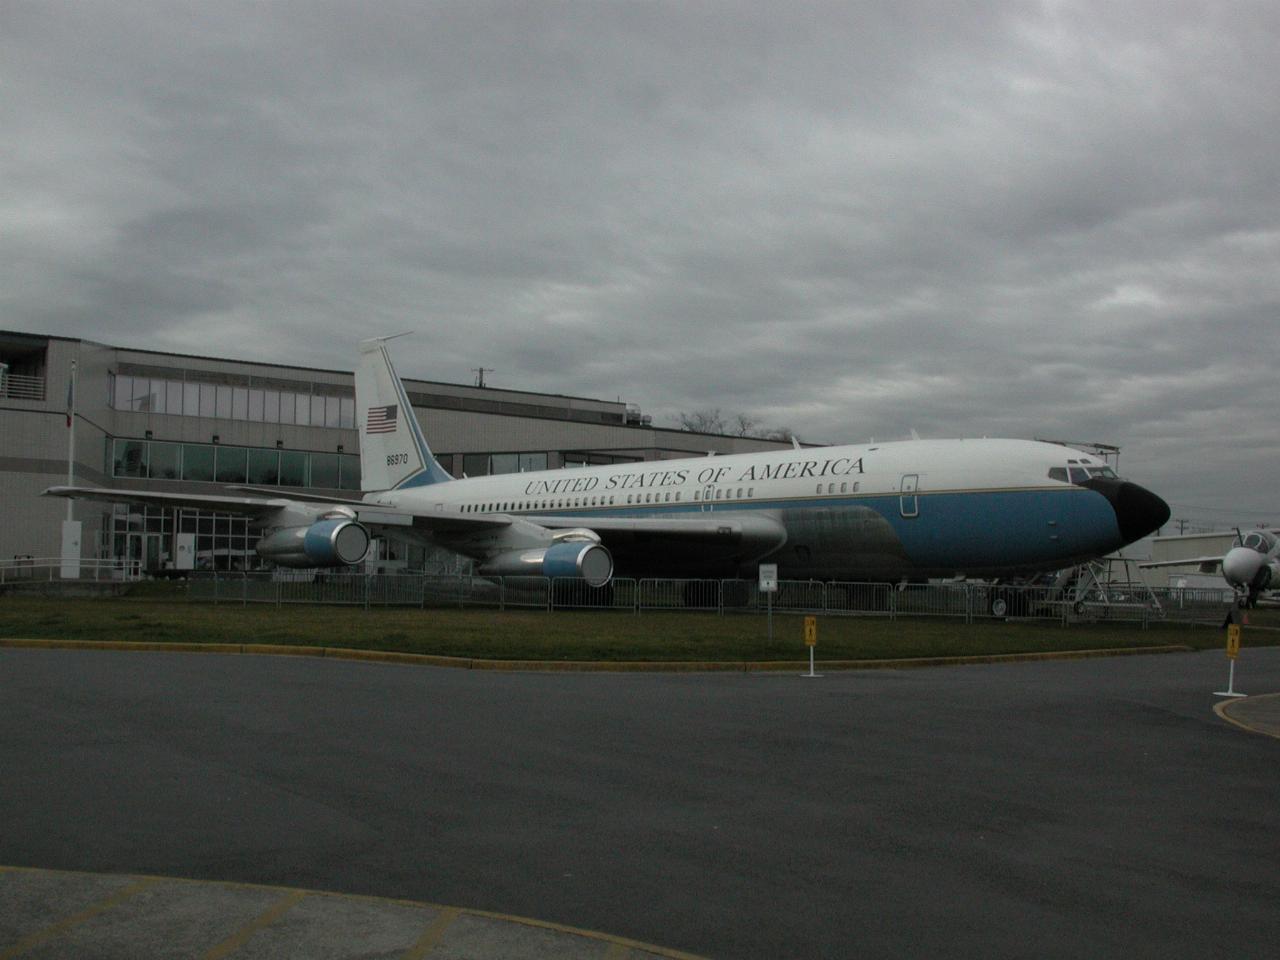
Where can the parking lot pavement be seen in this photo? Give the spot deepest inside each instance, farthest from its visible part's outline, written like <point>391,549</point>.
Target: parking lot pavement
<point>48,913</point>
<point>1093,807</point>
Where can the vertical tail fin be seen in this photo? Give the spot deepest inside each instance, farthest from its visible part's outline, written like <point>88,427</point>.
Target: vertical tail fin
<point>393,452</point>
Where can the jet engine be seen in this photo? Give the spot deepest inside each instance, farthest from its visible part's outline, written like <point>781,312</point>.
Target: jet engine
<point>335,541</point>
<point>582,559</point>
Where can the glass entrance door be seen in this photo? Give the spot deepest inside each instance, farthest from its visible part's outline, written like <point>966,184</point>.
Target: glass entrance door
<point>144,549</point>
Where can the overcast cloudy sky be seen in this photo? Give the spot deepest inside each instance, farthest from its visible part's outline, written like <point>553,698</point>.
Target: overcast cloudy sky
<point>1031,219</point>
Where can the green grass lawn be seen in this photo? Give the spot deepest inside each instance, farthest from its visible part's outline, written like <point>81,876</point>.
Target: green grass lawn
<point>576,635</point>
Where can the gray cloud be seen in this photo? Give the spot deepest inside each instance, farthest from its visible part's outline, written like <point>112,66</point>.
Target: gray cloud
<point>858,219</point>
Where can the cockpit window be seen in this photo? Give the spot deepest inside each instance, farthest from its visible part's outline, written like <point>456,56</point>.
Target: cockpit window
<point>1258,542</point>
<point>1079,475</point>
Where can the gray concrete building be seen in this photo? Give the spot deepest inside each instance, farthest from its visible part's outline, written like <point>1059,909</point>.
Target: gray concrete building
<point>1190,561</point>
<point>163,421</point>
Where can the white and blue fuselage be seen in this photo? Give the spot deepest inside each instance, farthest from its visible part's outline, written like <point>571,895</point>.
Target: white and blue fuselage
<point>922,508</point>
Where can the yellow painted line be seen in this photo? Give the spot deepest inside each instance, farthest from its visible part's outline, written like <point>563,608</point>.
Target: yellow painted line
<point>102,906</point>
<point>1222,708</point>
<point>434,933</point>
<point>586,934</point>
<point>583,666</point>
<point>241,936</point>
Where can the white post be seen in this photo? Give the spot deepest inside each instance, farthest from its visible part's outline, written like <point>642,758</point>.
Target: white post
<point>1231,690</point>
<point>71,437</point>
<point>70,528</point>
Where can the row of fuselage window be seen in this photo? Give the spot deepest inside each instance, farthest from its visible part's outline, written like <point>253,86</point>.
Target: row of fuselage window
<point>635,499</point>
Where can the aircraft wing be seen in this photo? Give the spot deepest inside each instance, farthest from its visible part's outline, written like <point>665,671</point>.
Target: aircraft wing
<point>262,502</point>
<point>1207,564</point>
<point>251,506</point>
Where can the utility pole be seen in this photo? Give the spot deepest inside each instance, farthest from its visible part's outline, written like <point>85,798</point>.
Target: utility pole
<point>480,372</point>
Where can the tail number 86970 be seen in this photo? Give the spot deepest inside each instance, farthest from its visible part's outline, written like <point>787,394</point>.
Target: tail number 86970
<point>397,459</point>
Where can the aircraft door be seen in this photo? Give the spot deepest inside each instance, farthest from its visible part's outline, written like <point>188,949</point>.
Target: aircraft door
<point>707,493</point>
<point>908,501</point>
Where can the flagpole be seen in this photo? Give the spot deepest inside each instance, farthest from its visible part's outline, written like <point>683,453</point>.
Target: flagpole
<point>71,441</point>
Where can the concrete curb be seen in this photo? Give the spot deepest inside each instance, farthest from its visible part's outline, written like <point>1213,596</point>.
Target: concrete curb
<point>1256,714</point>
<point>579,666</point>
<point>153,915</point>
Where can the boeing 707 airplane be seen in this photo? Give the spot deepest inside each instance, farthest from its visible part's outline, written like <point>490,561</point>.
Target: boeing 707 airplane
<point>915,509</point>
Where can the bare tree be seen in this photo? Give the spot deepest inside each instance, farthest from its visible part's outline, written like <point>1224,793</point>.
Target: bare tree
<point>745,425</point>
<point>737,425</point>
<point>701,421</point>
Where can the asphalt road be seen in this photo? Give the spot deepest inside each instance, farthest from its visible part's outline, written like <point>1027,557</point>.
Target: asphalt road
<point>1086,808</point>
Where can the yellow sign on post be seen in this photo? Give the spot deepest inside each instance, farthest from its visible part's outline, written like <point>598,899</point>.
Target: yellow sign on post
<point>811,641</point>
<point>1233,651</point>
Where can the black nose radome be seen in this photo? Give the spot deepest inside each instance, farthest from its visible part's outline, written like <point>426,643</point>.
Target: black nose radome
<point>1138,510</point>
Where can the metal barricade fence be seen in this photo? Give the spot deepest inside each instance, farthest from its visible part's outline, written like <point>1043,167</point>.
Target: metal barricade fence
<point>679,595</point>
<point>967,601</point>
<point>933,600</point>
<point>572,594</point>
<point>49,569</point>
<point>800,596</point>
<point>860,599</point>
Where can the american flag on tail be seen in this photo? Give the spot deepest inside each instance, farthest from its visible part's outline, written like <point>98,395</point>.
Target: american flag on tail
<point>381,419</point>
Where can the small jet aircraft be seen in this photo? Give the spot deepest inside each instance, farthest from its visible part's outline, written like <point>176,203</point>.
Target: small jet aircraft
<point>1250,566</point>
<point>888,512</point>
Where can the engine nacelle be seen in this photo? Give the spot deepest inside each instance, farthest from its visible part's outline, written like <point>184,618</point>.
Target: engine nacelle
<point>581,559</point>
<point>337,542</point>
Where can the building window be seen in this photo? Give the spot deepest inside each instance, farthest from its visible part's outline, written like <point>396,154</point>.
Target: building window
<point>231,464</point>
<point>264,467</point>
<point>324,470</point>
<point>532,461</point>
<point>504,463</point>
<point>350,477</point>
<point>475,464</point>
<point>197,462</point>
<point>293,468</point>
<point>130,458</point>
<point>165,461</point>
